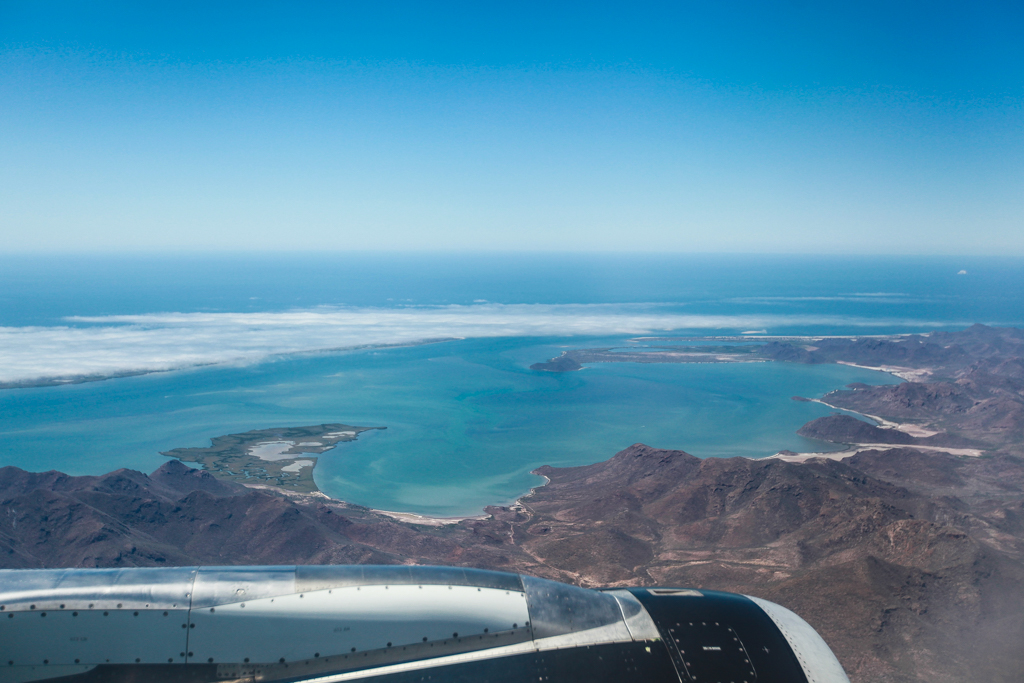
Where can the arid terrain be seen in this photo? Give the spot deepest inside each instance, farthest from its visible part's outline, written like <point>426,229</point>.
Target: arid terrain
<point>909,560</point>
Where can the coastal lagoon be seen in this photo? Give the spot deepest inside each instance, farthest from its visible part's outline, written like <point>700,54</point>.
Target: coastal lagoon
<point>467,420</point>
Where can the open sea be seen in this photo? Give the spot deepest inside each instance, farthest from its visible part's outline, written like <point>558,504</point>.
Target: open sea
<point>268,340</point>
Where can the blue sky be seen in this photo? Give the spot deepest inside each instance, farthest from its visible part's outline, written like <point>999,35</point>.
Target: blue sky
<point>692,127</point>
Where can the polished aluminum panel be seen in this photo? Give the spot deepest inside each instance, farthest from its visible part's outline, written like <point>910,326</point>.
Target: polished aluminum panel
<point>637,620</point>
<point>65,637</point>
<point>557,608</point>
<point>310,578</point>
<point>24,674</point>
<point>222,585</point>
<point>352,619</point>
<point>368,659</point>
<point>102,589</point>
<point>601,635</point>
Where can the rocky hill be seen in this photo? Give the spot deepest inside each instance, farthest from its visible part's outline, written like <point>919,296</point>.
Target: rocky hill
<point>911,564</point>
<point>847,429</point>
<point>943,354</point>
<point>968,384</point>
<point>181,516</point>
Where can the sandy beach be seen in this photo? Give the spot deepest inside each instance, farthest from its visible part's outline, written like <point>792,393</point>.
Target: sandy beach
<point>912,429</point>
<point>861,447</point>
<point>908,374</point>
<point>412,518</point>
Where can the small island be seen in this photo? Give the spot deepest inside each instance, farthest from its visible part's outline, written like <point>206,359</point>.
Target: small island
<point>281,457</point>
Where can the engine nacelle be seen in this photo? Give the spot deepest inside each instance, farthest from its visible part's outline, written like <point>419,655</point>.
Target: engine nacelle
<point>388,623</point>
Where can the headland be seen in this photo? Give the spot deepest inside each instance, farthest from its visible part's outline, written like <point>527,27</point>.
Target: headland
<point>282,457</point>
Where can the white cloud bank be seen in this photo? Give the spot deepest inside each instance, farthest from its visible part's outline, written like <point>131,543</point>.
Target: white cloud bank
<point>117,345</point>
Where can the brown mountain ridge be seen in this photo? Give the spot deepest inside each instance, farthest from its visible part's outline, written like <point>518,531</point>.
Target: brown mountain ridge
<point>909,563</point>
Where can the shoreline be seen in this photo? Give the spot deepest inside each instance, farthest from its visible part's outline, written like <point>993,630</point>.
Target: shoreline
<point>910,428</point>
<point>854,449</point>
<point>415,518</point>
<point>517,505</point>
<point>425,520</point>
<point>845,450</point>
<point>797,458</point>
<point>906,374</point>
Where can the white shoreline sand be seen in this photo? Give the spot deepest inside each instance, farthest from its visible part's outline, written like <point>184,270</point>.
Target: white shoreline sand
<point>861,447</point>
<point>907,374</point>
<point>413,518</point>
<point>905,427</point>
<point>853,449</point>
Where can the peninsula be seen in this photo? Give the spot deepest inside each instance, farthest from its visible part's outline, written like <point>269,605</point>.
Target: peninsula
<point>575,358</point>
<point>282,457</point>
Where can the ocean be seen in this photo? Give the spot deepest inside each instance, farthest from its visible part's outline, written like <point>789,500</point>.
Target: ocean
<point>250,342</point>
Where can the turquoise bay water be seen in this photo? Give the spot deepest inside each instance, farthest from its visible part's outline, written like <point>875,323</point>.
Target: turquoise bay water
<point>466,421</point>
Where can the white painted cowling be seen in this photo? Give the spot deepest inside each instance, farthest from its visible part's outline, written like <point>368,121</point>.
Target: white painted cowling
<point>815,656</point>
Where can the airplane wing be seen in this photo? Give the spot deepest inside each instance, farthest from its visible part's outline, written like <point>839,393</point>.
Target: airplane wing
<point>389,624</point>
